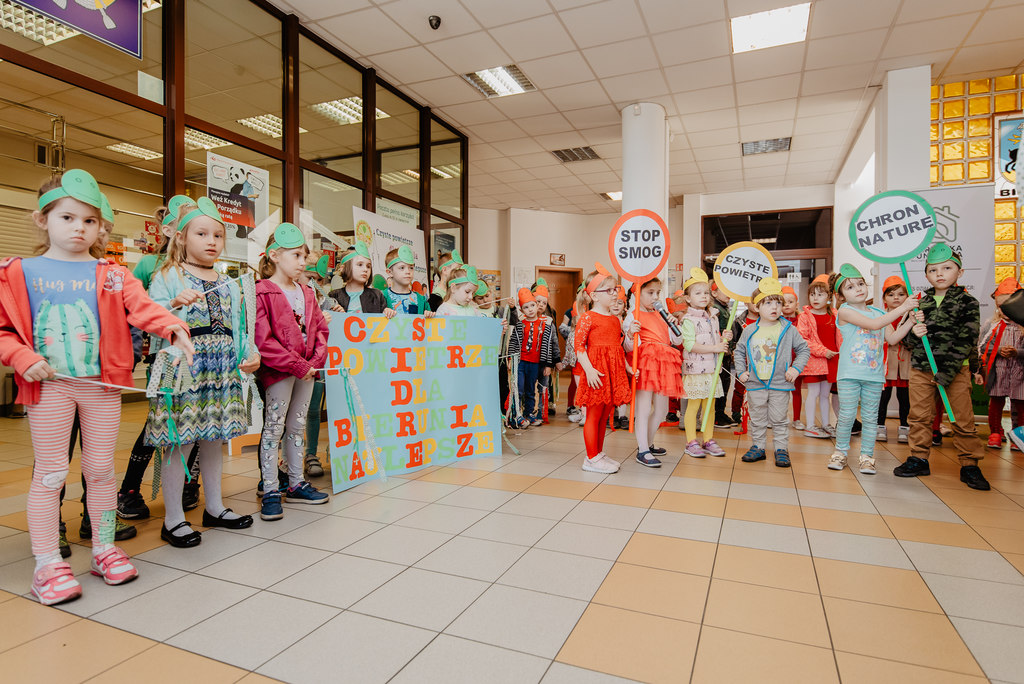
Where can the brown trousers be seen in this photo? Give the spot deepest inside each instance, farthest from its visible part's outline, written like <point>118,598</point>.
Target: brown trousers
<point>923,393</point>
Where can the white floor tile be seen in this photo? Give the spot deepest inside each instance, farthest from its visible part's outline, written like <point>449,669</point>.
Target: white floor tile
<point>858,549</point>
<point>995,647</point>
<point>512,529</point>
<point>216,546</point>
<point>442,518</point>
<point>331,532</point>
<point>765,536</point>
<point>478,497</point>
<point>978,599</point>
<point>585,540</point>
<point>264,565</point>
<point>553,572</point>
<point>320,582</point>
<point>681,525</point>
<point>606,515</point>
<point>418,490</point>
<point>98,596</point>
<point>382,509</point>
<point>560,673</point>
<point>421,598</point>
<point>961,562</point>
<point>394,544</point>
<point>539,506</point>
<point>453,660</point>
<point>480,559</point>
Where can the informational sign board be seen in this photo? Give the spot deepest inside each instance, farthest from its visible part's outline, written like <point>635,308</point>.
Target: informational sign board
<point>893,226</point>
<point>242,194</point>
<point>740,267</point>
<point>428,388</point>
<point>382,234</point>
<point>117,23</point>
<point>1009,130</point>
<point>638,245</point>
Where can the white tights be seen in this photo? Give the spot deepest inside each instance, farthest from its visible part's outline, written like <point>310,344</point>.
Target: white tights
<point>817,400</point>
<point>651,409</point>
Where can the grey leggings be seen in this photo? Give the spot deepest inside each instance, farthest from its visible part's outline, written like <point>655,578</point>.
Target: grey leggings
<point>284,418</point>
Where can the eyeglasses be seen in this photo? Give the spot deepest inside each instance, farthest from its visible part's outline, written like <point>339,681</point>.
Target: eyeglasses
<point>613,289</point>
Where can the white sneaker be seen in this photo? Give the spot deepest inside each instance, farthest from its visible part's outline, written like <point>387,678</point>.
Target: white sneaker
<point>600,464</point>
<point>867,465</point>
<point>904,434</point>
<point>608,459</point>
<point>883,434</point>
<point>799,424</point>
<point>838,461</point>
<point>830,429</point>
<point>574,417</point>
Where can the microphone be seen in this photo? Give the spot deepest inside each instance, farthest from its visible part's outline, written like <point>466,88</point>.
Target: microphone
<point>659,306</point>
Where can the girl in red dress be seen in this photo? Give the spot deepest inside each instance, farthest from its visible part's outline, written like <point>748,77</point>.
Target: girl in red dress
<point>817,325</point>
<point>598,345</point>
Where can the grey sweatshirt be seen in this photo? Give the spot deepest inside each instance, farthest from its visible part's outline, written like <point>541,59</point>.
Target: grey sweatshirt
<point>790,341</point>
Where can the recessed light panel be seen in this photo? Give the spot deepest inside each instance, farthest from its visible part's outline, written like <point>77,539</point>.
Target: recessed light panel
<point>780,26</point>
<point>500,81</point>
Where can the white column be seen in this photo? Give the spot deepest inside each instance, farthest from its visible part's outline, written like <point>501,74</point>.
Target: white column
<point>902,120</point>
<point>645,160</point>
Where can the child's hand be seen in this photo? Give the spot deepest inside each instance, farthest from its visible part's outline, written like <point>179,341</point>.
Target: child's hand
<point>431,314</point>
<point>792,374</point>
<point>727,335</point>
<point>979,379</point>
<point>559,366</point>
<point>919,315</point>
<point>39,371</point>
<point>920,329</point>
<point>309,374</point>
<point>720,348</point>
<point>327,317</point>
<point>1008,351</point>
<point>339,308</point>
<point>389,313</point>
<point>744,376</point>
<point>907,305</point>
<point>634,327</point>
<point>182,341</point>
<point>251,364</point>
<point>829,354</point>
<point>594,378</point>
<point>184,298</point>
<point>546,372</point>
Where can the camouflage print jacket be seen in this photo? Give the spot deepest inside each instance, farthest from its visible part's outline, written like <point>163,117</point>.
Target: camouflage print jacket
<point>953,330</point>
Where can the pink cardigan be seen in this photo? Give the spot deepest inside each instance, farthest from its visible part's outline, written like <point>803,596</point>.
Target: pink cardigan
<point>283,352</point>
<point>805,324</point>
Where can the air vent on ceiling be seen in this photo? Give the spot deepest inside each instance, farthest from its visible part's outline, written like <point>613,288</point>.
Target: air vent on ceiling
<point>575,154</point>
<point>763,146</point>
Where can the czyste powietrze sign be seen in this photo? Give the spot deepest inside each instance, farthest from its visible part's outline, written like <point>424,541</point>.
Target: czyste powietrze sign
<point>740,267</point>
<point>425,393</point>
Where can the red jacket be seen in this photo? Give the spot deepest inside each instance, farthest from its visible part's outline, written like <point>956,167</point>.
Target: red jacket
<point>283,352</point>
<point>119,301</point>
<point>808,328</point>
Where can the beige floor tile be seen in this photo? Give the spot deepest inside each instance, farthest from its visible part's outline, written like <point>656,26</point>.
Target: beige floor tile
<point>459,476</point>
<point>727,656</point>
<point>624,496</point>
<point>86,649</point>
<point>165,664</point>
<point>861,668</point>
<point>506,481</point>
<point>933,532</point>
<point>1017,559</point>
<point>687,469</point>
<point>669,553</point>
<point>567,489</point>
<point>665,654</point>
<point>697,504</point>
<point>254,678</point>
<point>990,517</point>
<point>966,497</point>
<point>781,614</point>
<point>759,511</point>
<point>26,619</point>
<point>766,568</point>
<point>1002,539</point>
<point>898,634</point>
<point>875,584</point>
<point>824,483</point>
<point>782,478</point>
<point>869,524</point>
<point>658,592</point>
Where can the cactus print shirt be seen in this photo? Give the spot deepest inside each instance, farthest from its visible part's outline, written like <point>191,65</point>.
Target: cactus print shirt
<point>862,353</point>
<point>65,318</point>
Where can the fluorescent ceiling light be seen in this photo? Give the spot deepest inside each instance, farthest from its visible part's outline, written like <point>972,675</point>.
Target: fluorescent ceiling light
<point>766,241</point>
<point>500,81</point>
<point>267,124</point>
<point>763,146</point>
<point>134,151</point>
<point>780,26</point>
<point>197,140</point>
<point>446,171</point>
<point>613,196</point>
<point>348,110</point>
<point>326,186</point>
<point>40,28</point>
<point>398,177</point>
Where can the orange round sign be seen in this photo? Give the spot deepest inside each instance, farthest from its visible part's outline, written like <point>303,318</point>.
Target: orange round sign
<point>638,245</point>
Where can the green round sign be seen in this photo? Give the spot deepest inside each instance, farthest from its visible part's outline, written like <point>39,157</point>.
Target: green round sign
<point>893,226</point>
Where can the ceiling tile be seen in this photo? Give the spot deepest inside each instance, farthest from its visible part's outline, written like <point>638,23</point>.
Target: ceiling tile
<point>499,130</point>
<point>533,38</point>
<point>767,89</point>
<point>782,110</point>
<point>603,134</point>
<point>801,179</point>
<point>920,37</point>
<point>492,13</point>
<point>704,100</point>
<point>709,121</point>
<point>668,16</point>
<point>609,150</point>
<point>442,92</point>
<point>706,74</point>
<point>833,103</point>
<point>368,30</point>
<point>834,17</point>
<point>410,65</point>
<point>472,113</point>
<point>494,166</point>
<point>722,136</point>
<point>535,160</point>
<point>815,140</point>
<point>518,145</point>
<point>717,176</point>
<point>578,96</point>
<point>766,131</point>
<point>560,70</point>
<point>604,22</point>
<point>719,165</point>
<point>920,10</point>
<point>694,43</point>
<point>824,124</point>
<point>851,48</point>
<point>478,150</point>
<point>560,141</point>
<point>738,8</point>
<point>937,60</point>
<point>633,87</point>
<point>523,104</point>
<point>837,79</point>
<point>412,16</point>
<point>593,116</point>
<point>544,124</point>
<point>815,154</point>
<point>777,160</point>
<point>777,61</point>
<point>314,10</point>
<point>470,53</point>
<point>622,58</point>
<point>809,167</point>
<point>720,152</point>
<point>993,56</point>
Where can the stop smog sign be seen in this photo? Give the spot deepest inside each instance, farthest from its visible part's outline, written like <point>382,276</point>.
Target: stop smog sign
<point>893,226</point>
<point>638,245</point>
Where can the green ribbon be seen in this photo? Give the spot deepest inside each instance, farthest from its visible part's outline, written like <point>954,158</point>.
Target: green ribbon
<point>172,431</point>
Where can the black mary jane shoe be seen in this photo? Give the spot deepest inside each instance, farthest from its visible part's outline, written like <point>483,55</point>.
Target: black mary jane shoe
<point>183,542</point>
<point>227,523</point>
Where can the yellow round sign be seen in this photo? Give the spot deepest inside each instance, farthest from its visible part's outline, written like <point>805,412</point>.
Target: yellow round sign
<point>740,267</point>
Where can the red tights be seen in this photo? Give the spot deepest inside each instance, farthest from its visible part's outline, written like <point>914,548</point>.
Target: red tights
<point>995,414</point>
<point>594,428</point>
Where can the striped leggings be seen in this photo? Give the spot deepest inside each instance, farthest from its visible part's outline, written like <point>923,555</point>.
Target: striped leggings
<point>866,395</point>
<point>99,410</point>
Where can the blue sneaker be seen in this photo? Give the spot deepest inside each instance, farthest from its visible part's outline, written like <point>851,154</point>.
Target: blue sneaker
<point>754,453</point>
<point>644,458</point>
<point>306,493</point>
<point>782,458</point>
<point>271,509</point>
<point>282,483</point>
<point>1017,438</point>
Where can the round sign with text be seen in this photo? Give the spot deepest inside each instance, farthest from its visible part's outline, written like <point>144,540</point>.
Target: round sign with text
<point>893,226</point>
<point>740,268</point>
<point>638,245</point>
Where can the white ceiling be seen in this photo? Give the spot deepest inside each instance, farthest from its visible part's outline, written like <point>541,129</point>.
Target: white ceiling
<point>589,59</point>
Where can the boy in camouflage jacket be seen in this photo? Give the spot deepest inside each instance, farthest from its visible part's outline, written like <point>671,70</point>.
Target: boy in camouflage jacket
<point>952,319</point>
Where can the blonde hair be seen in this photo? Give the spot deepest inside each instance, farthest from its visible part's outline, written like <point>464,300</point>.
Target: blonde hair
<point>456,273</point>
<point>266,268</point>
<point>686,293</point>
<point>346,269</point>
<point>176,248</point>
<point>96,250</point>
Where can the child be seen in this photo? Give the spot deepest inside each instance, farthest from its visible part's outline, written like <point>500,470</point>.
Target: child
<point>458,295</point>
<point>52,310</point>
<point>598,343</point>
<point>1001,349</point>
<point>767,367</point>
<point>538,354</point>
<point>547,314</point>
<point>897,367</point>
<point>791,312</point>
<point>721,302</point>
<point>213,410</point>
<point>953,323</point>
<point>817,325</point>
<point>291,334</point>
<point>483,299</point>
<point>861,375</point>
<point>579,307</point>
<point>703,340</point>
<point>357,296</point>
<point>738,389</point>
<point>314,277</point>
<point>448,263</point>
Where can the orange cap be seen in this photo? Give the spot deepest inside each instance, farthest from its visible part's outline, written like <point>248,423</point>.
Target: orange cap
<point>417,287</point>
<point>786,289</point>
<point>670,305</point>
<point>821,278</point>
<point>525,296</point>
<point>621,294</point>
<point>602,275</point>
<point>575,311</point>
<point>1007,285</point>
<point>541,291</point>
<point>893,281</point>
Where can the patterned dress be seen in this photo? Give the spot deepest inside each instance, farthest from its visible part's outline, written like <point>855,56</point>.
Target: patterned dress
<point>213,409</point>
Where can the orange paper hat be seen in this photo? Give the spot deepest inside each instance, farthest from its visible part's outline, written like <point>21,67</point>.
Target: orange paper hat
<point>786,289</point>
<point>1007,285</point>
<point>621,294</point>
<point>822,278</point>
<point>542,291</point>
<point>417,287</point>
<point>893,281</point>
<point>525,296</point>
<point>602,274</point>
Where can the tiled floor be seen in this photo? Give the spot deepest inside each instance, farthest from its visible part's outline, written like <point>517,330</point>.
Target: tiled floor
<point>524,568</point>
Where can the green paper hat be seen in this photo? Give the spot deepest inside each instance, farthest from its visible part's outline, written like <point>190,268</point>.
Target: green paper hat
<point>540,283</point>
<point>457,258</point>
<point>481,289</point>
<point>320,267</point>
<point>360,249</point>
<point>204,207</point>
<point>287,236</point>
<point>846,271</point>
<point>404,256</point>
<point>77,184</point>
<point>942,252</point>
<point>470,277</point>
<point>379,282</point>
<point>174,206</point>
<point>106,211</point>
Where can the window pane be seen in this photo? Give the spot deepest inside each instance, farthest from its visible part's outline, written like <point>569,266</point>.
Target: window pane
<point>233,67</point>
<point>327,208</point>
<point>398,139</point>
<point>446,170</point>
<point>331,109</point>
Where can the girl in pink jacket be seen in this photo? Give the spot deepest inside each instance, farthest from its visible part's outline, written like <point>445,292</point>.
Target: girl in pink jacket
<point>291,334</point>
<point>817,325</point>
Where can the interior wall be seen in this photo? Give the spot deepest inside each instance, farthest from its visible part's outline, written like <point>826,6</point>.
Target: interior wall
<point>854,184</point>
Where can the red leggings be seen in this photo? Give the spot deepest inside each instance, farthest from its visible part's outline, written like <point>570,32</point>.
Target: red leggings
<point>797,399</point>
<point>594,428</point>
<point>571,394</point>
<point>995,414</point>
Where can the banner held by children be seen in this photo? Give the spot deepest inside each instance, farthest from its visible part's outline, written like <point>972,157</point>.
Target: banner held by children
<point>738,270</point>
<point>429,387</point>
<point>893,227</point>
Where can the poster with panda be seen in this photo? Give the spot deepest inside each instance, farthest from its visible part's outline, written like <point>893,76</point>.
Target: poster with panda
<point>242,193</point>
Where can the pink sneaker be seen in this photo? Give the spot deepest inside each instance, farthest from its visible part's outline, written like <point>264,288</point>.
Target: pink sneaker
<point>711,447</point>
<point>695,450</point>
<point>114,567</point>
<point>55,583</point>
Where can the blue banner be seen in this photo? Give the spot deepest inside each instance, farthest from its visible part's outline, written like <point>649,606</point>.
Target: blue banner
<point>117,23</point>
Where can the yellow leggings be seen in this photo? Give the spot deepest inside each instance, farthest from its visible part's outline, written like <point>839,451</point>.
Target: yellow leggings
<point>695,412</point>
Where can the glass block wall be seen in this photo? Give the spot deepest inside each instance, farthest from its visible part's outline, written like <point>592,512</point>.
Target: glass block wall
<point>963,148</point>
